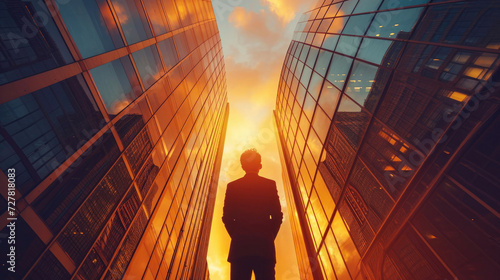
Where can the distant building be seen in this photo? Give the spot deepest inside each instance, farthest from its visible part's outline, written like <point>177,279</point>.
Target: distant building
<point>388,122</point>
<point>113,115</point>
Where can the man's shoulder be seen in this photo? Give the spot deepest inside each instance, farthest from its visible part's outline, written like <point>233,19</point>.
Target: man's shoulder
<point>255,179</point>
<point>266,180</point>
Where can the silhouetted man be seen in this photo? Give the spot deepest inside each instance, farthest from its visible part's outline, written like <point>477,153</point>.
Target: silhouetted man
<point>252,216</point>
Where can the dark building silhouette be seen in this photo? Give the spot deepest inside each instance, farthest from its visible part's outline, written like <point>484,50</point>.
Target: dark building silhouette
<point>113,115</point>
<point>386,114</point>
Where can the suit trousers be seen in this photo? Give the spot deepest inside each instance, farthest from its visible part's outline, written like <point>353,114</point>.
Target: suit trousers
<point>241,269</point>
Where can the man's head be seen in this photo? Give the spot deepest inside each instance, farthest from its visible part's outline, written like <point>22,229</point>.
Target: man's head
<point>250,161</point>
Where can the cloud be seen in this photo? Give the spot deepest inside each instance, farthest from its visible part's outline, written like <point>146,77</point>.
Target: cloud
<point>255,27</point>
<point>286,10</point>
<point>255,40</point>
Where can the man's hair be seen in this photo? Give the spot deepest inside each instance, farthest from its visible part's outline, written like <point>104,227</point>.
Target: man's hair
<point>250,160</point>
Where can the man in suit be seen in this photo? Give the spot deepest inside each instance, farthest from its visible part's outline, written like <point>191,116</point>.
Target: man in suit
<point>252,216</point>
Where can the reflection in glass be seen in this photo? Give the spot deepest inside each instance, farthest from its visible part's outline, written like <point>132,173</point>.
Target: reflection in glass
<point>309,106</point>
<point>325,261</point>
<point>168,52</point>
<point>314,144</point>
<point>337,25</point>
<point>332,10</point>
<point>306,75</point>
<point>311,58</point>
<point>171,13</point>
<point>348,45</point>
<point>315,85</point>
<point>339,68</point>
<point>156,16</point>
<point>329,98</point>
<point>357,24</point>
<point>336,256</point>
<point>360,82</point>
<point>390,24</point>
<point>351,255</point>
<point>367,6</point>
<point>375,50</point>
<point>330,42</point>
<point>91,26</point>
<point>114,86</point>
<point>28,48</point>
<point>321,124</point>
<point>323,62</point>
<point>182,45</point>
<point>351,120</point>
<point>132,19</point>
<point>46,127</point>
<point>149,65</point>
<point>347,7</point>
<point>391,4</point>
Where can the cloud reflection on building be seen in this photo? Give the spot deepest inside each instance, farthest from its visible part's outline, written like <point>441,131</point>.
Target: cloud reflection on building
<point>387,113</point>
<point>113,114</point>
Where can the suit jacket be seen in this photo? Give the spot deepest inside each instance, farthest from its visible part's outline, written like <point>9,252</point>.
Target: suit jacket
<point>252,216</point>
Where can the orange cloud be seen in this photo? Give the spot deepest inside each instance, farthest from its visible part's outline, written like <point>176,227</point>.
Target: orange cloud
<point>254,56</point>
<point>286,10</point>
<point>254,27</point>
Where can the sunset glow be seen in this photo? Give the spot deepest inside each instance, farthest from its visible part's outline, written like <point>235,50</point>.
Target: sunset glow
<point>255,36</point>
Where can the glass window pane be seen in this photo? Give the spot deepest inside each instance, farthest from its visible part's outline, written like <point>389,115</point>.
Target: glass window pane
<point>149,65</point>
<point>321,124</point>
<point>367,6</point>
<point>91,26</point>
<point>357,24</point>
<point>314,145</point>
<point>47,127</point>
<point>391,24</point>
<point>332,11</point>
<point>375,51</point>
<point>114,86</point>
<point>156,16</point>
<point>168,52</point>
<point>330,42</point>
<point>28,49</point>
<point>348,45</point>
<point>347,7</point>
<point>346,245</point>
<point>311,58</point>
<point>306,76</point>
<point>329,98</point>
<point>339,69</point>
<point>323,62</point>
<point>325,196</point>
<point>351,120</point>
<point>391,4</point>
<point>327,266</point>
<point>337,25</point>
<point>315,85</point>
<point>132,19</point>
<point>360,81</point>
<point>336,256</point>
<point>303,54</point>
<point>182,45</point>
<point>171,13</point>
<point>309,106</point>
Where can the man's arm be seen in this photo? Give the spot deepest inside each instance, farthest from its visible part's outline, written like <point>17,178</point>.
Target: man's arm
<point>228,210</point>
<point>276,214</point>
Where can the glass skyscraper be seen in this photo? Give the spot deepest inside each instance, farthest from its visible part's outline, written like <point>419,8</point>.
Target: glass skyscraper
<point>113,115</point>
<point>388,121</point>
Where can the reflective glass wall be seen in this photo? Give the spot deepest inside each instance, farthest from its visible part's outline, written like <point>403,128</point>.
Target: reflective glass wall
<point>113,115</point>
<point>388,121</point>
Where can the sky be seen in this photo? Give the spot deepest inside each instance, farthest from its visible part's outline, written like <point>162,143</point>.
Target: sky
<point>255,36</point>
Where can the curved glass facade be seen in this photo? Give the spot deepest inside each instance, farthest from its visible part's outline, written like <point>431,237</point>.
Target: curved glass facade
<point>387,113</point>
<point>113,115</point>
